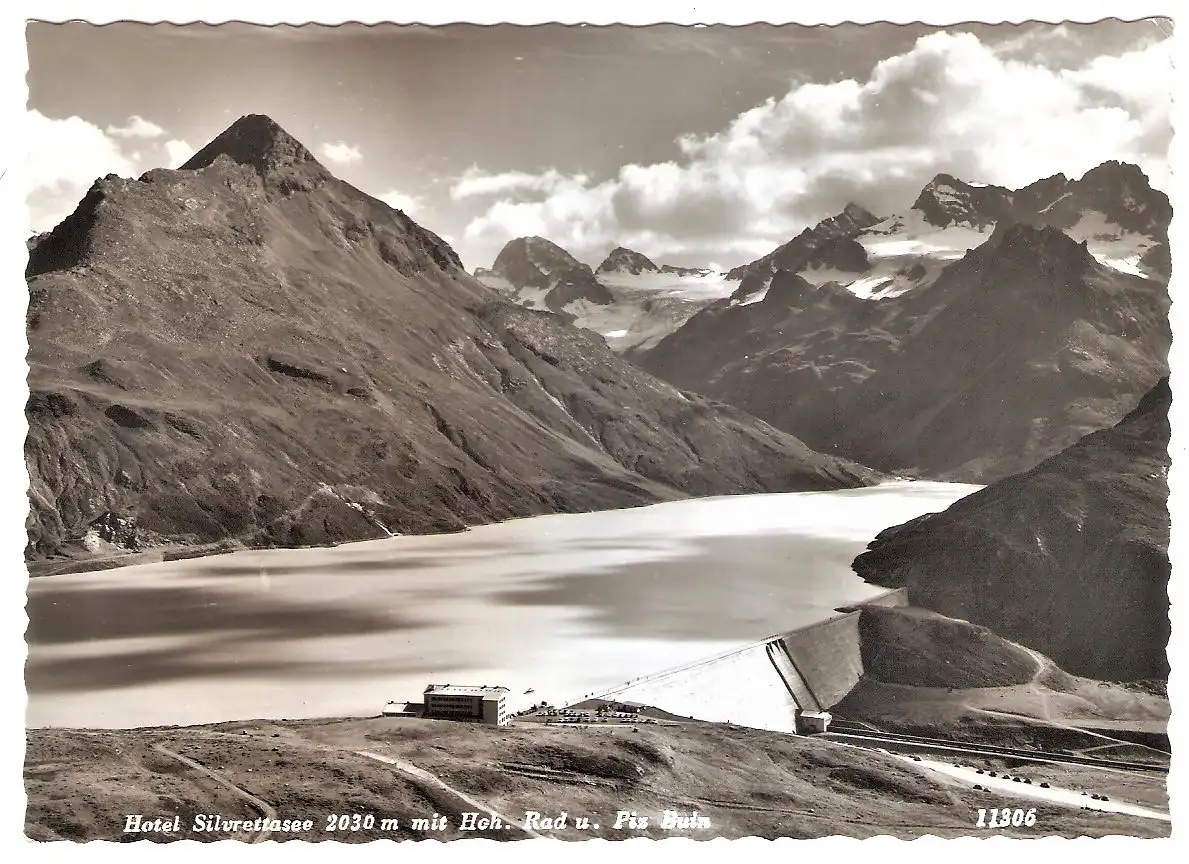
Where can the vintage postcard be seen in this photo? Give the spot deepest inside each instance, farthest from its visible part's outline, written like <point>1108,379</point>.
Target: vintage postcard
<point>596,431</point>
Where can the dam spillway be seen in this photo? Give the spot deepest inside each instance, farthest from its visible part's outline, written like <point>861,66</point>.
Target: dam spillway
<point>762,684</point>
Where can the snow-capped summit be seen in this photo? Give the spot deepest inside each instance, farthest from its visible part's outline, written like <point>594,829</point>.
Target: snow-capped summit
<point>1112,210</point>
<point>631,301</point>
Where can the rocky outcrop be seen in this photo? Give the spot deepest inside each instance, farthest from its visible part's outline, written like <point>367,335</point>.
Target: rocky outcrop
<point>1069,558</point>
<point>250,349</point>
<point>687,271</point>
<point>574,285</point>
<point>117,530</point>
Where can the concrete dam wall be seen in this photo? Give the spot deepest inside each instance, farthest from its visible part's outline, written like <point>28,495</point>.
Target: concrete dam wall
<point>826,658</point>
<point>760,685</point>
<point>741,687</point>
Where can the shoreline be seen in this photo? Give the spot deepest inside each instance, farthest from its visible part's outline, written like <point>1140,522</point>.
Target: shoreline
<point>229,546</point>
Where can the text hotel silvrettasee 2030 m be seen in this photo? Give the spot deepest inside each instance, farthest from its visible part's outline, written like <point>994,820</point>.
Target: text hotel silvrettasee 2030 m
<point>204,823</point>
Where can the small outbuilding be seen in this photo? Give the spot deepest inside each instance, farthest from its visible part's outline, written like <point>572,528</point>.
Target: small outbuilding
<point>811,722</point>
<point>404,709</point>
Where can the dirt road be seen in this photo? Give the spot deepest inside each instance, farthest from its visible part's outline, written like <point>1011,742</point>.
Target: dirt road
<point>426,777</point>
<point>263,807</point>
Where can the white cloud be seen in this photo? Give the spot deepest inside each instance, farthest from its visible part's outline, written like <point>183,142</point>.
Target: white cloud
<point>475,182</point>
<point>179,152</point>
<point>341,153</point>
<point>409,204</point>
<point>64,157</point>
<point>69,152</point>
<point>949,104</point>
<point>137,127</point>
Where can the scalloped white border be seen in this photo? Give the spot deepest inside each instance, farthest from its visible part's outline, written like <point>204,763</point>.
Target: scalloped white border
<point>13,505</point>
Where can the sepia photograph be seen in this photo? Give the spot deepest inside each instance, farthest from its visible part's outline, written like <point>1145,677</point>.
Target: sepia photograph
<point>596,431</point>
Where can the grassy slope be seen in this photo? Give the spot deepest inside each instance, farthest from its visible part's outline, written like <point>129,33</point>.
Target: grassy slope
<point>938,676</point>
<point>921,649</point>
<point>748,782</point>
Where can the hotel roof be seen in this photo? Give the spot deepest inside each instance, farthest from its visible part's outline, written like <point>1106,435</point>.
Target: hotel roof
<point>464,690</point>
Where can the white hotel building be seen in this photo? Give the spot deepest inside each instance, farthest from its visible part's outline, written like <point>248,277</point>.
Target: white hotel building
<point>455,702</point>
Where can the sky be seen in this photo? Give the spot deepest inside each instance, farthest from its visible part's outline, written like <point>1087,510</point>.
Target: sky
<point>698,146</point>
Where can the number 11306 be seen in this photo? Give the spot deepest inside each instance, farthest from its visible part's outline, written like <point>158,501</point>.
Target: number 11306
<point>1006,817</point>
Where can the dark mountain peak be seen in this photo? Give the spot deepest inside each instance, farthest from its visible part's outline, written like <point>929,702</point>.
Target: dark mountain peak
<point>1046,188</point>
<point>258,141</point>
<point>787,290</point>
<point>945,183</point>
<point>944,179</point>
<point>576,283</point>
<point>851,220</point>
<point>1120,172</point>
<point>1125,185</point>
<point>1118,191</point>
<point>544,250</point>
<point>1123,193</point>
<point>829,243</point>
<point>534,262</point>
<point>855,218</point>
<point>1022,235</point>
<point>1058,179</point>
<point>945,200</point>
<point>1043,248</point>
<point>626,260</point>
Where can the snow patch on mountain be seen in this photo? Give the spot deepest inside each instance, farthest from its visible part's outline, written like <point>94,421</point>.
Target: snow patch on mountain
<point>645,307</point>
<point>696,288</point>
<point>911,234</point>
<point>1111,245</point>
<point>757,297</point>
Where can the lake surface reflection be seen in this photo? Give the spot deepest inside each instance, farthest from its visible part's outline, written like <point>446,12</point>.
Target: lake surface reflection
<point>563,605</point>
